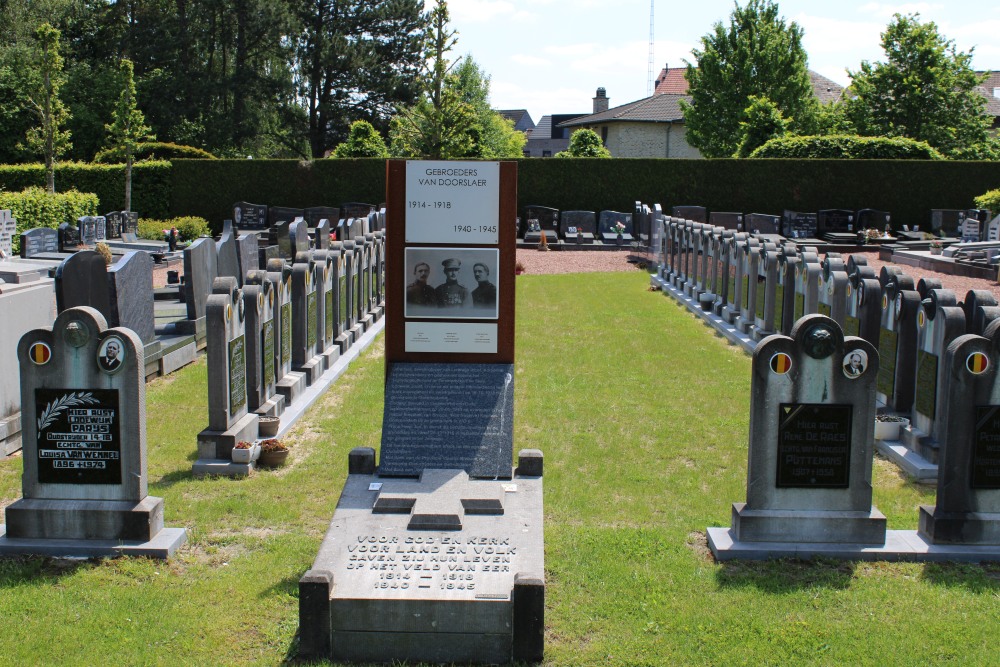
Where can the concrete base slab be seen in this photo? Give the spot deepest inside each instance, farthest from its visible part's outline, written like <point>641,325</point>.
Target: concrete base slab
<point>194,328</point>
<point>965,528</point>
<point>291,386</point>
<point>272,407</point>
<point>729,331</point>
<point>330,355</point>
<point>219,444</point>
<point>162,546</point>
<point>178,358</point>
<point>49,518</point>
<point>912,464</point>
<point>312,369</point>
<point>221,467</point>
<point>900,545</point>
<point>826,526</point>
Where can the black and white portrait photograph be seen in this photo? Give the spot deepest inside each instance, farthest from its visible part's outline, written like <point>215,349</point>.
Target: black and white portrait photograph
<point>453,283</point>
<point>855,363</point>
<point>111,354</point>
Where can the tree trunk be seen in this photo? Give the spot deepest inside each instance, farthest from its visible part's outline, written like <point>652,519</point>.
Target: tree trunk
<point>128,180</point>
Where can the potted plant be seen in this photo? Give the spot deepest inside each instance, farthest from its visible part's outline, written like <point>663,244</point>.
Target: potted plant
<point>267,426</point>
<point>273,453</point>
<point>620,230</point>
<point>936,247</point>
<point>245,452</point>
<point>887,426</point>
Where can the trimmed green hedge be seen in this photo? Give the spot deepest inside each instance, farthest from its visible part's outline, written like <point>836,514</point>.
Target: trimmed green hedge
<point>34,207</point>
<point>154,150</point>
<point>188,228</point>
<point>150,184</point>
<point>847,147</point>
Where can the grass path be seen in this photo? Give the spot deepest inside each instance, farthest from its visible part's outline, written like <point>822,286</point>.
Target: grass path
<point>642,414</point>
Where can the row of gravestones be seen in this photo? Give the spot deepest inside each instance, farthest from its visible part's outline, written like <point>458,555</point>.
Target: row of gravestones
<point>91,230</point>
<point>809,476</point>
<point>272,332</point>
<point>791,224</point>
<point>761,286</point>
<point>583,227</point>
<point>259,217</point>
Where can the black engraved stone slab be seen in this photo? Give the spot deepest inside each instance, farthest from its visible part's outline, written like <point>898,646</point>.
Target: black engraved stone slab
<point>114,222</point>
<point>925,399</point>
<point>286,333</point>
<point>311,314</point>
<point>814,446</point>
<point>69,237</point>
<point>795,225</point>
<point>79,436</point>
<point>456,416</point>
<point>39,240</point>
<point>237,373</point>
<point>985,466</point>
<point>250,216</point>
<point>888,343</point>
<point>267,333</point>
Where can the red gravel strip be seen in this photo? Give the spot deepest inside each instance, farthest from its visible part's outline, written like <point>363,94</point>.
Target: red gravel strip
<point>574,261</point>
<point>960,285</point>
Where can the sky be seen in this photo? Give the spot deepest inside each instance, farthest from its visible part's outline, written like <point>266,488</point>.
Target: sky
<point>550,56</point>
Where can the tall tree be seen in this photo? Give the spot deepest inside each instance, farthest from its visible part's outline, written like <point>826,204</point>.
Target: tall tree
<point>763,122</point>
<point>48,137</point>
<point>493,136</point>
<point>128,126</point>
<point>357,60</point>
<point>924,90</point>
<point>756,54</point>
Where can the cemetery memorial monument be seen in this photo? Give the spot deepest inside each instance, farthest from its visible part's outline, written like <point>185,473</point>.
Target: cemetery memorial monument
<point>436,554</point>
<point>84,485</point>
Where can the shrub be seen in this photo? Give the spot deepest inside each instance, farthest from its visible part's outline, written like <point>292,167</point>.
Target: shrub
<point>844,146</point>
<point>153,150</point>
<point>363,140</point>
<point>34,207</point>
<point>990,200</point>
<point>585,143</point>
<point>188,227</point>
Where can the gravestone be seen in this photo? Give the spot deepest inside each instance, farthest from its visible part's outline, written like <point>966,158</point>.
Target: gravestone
<point>315,214</point>
<point>263,346</point>
<point>8,227</point>
<point>357,209</point>
<point>69,238</point>
<point>727,220</point>
<point>279,236</point>
<point>898,344</point>
<point>808,278</point>
<point>325,269</point>
<point>976,300</point>
<point>788,263</point>
<point>114,224</point>
<point>229,421</point>
<point>322,237</point>
<point>228,255</point>
<point>692,213</point>
<point>833,291</point>
<point>447,429</point>
<point>724,250</point>
<point>863,309</point>
<point>289,383</point>
<point>748,255</point>
<point>796,225</point>
<point>248,254</point>
<point>130,226</point>
<point>940,321</point>
<point>993,229</point>
<point>769,300</point>
<point>298,238</point>
<point>82,280</point>
<point>38,241</point>
<point>250,216</point>
<point>305,320</point>
<point>340,336</point>
<point>811,444</point>
<point>276,214</point>
<point>538,220</point>
<point>88,230</point>
<point>200,271</point>
<point>614,227</point>
<point>762,223</point>
<point>971,230</point>
<point>735,279</point>
<point>130,294</point>
<point>83,401</point>
<point>578,227</point>
<point>348,293</point>
<point>967,509</point>
<point>835,220</point>
<point>101,229</point>
<point>870,218</point>
<point>946,221</point>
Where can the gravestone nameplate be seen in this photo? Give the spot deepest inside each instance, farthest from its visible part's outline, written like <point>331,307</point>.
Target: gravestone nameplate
<point>250,216</point>
<point>38,241</point>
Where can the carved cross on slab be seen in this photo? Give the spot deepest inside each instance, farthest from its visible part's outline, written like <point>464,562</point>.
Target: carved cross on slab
<point>439,499</point>
<point>8,227</point>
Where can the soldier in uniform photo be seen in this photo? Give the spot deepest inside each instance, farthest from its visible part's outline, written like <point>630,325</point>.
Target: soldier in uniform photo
<point>485,295</point>
<point>110,354</point>
<point>419,293</point>
<point>449,293</point>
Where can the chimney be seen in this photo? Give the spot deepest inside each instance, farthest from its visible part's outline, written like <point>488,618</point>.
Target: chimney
<point>601,101</point>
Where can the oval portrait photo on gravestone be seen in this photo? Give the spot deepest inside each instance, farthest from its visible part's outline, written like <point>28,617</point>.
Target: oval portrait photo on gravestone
<point>855,363</point>
<point>451,283</point>
<point>111,354</point>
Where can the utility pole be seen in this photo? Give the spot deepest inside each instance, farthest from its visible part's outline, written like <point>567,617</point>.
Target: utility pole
<point>649,64</point>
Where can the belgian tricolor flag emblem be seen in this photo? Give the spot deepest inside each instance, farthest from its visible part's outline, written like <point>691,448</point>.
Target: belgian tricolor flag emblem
<point>977,363</point>
<point>781,363</point>
<point>39,353</point>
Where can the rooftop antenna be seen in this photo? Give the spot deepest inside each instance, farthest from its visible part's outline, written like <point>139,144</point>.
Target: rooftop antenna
<point>649,64</point>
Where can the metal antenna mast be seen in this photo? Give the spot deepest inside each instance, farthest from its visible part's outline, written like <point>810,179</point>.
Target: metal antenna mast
<point>649,64</point>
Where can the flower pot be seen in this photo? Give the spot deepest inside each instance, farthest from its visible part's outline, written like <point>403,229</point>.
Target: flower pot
<point>267,427</point>
<point>246,455</point>
<point>886,430</point>
<point>936,251</point>
<point>272,459</point>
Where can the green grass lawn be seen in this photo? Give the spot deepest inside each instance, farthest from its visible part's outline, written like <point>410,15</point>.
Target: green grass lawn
<point>642,414</point>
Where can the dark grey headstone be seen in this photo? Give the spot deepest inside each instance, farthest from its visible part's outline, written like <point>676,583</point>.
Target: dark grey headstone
<point>39,240</point>
<point>546,217</point>
<point>585,222</point>
<point>82,280</point>
<point>227,254</point>
<point>130,222</point>
<point>298,236</point>
<point>727,220</point>
<point>762,223</point>
<point>796,225</point>
<point>323,234</point>
<point>114,224</point>
<point>130,282</point>
<point>448,416</point>
<point>276,214</point>
<point>314,214</point>
<point>280,231</point>
<point>69,237</point>
<point>356,209</point>
<point>836,220</point>
<point>101,228</point>
<point>88,230</point>
<point>200,270</point>
<point>250,216</point>
<point>8,227</point>
<point>692,213</point>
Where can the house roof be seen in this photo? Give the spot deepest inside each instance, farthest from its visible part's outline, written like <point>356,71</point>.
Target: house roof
<point>664,108</point>
<point>672,80</point>
<point>991,84</point>
<point>520,117</point>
